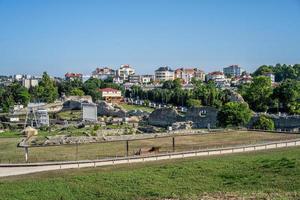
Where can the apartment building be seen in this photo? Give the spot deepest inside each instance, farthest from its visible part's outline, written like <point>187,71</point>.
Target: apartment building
<point>104,73</point>
<point>164,74</point>
<point>124,72</point>
<point>233,70</point>
<point>187,74</point>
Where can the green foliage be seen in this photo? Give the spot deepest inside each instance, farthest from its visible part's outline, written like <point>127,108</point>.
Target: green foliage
<point>208,93</point>
<point>234,114</point>
<point>13,94</point>
<point>264,123</point>
<point>258,93</point>
<point>288,96</point>
<point>92,86</point>
<point>193,103</point>
<point>70,87</point>
<point>77,92</point>
<point>263,70</point>
<point>46,91</point>
<point>281,72</point>
<point>175,84</point>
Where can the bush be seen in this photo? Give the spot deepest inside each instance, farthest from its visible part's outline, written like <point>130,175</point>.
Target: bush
<point>234,114</point>
<point>264,123</point>
<point>193,103</point>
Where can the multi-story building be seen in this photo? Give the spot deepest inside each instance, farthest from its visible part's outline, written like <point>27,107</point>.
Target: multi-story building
<point>233,70</point>
<point>73,76</point>
<point>199,75</point>
<point>29,83</point>
<point>146,79</point>
<point>135,78</point>
<point>186,74</point>
<point>216,75</point>
<point>140,79</point>
<point>164,74</point>
<point>104,73</point>
<point>124,72</point>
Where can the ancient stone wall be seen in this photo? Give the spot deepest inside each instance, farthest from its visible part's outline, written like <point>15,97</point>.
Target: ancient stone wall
<point>291,122</point>
<point>202,117</point>
<point>164,117</point>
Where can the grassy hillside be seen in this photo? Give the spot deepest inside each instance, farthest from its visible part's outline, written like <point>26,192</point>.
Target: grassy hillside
<point>267,175</point>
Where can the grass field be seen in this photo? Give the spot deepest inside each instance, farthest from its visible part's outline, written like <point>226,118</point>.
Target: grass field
<point>258,175</point>
<point>9,153</point>
<point>129,107</point>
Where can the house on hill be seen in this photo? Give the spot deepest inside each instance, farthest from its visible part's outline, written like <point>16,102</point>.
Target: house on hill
<point>111,95</point>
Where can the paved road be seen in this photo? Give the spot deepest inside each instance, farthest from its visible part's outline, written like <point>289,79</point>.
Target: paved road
<point>20,169</point>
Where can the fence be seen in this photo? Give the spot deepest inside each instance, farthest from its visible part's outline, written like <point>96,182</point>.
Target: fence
<point>126,148</point>
<point>136,159</point>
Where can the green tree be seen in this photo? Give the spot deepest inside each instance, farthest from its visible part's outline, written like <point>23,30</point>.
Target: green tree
<point>91,87</point>
<point>234,114</point>
<point>46,91</point>
<point>258,94</point>
<point>264,123</point>
<point>193,103</point>
<point>77,92</point>
<point>13,94</point>
<point>263,69</point>
<point>288,96</point>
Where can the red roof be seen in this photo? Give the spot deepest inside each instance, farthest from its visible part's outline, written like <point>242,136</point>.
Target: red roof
<point>216,73</point>
<point>109,90</point>
<point>69,75</point>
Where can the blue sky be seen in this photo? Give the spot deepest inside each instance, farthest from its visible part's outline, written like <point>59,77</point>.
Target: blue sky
<point>63,35</point>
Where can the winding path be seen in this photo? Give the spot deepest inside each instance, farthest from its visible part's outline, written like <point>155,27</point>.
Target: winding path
<point>20,169</point>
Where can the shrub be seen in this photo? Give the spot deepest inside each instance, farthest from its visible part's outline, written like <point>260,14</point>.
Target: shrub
<point>264,123</point>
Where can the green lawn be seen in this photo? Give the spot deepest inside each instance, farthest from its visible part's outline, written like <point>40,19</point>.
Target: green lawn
<point>262,175</point>
<point>10,153</point>
<point>129,107</point>
<point>73,115</point>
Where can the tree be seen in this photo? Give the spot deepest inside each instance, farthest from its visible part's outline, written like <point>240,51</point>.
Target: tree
<point>258,94</point>
<point>193,103</point>
<point>264,123</point>
<point>13,94</point>
<point>77,92</point>
<point>46,91</point>
<point>91,87</point>
<point>66,86</point>
<point>288,96</point>
<point>234,114</point>
<point>263,69</point>
<point>175,84</point>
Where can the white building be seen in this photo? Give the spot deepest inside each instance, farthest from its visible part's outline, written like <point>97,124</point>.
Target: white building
<point>124,72</point>
<point>271,76</point>
<point>104,73</point>
<point>29,83</point>
<point>219,78</point>
<point>233,70</point>
<point>217,75</point>
<point>164,74</point>
<point>187,74</point>
<point>146,79</point>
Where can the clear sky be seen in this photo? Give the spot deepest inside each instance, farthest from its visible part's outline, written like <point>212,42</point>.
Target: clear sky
<point>77,36</point>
